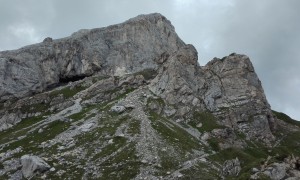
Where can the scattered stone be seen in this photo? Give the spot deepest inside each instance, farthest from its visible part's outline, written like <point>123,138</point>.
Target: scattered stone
<point>33,164</point>
<point>40,130</point>
<point>52,169</point>
<point>120,135</point>
<point>60,148</point>
<point>86,127</point>
<point>199,125</point>
<point>118,109</point>
<point>144,161</point>
<point>60,172</point>
<point>276,171</point>
<point>205,136</point>
<point>231,167</point>
<point>255,170</point>
<point>110,141</point>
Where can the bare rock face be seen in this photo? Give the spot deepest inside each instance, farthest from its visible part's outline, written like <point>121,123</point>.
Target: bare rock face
<point>33,164</point>
<point>129,47</point>
<point>231,167</point>
<point>228,87</point>
<point>235,94</point>
<point>131,100</point>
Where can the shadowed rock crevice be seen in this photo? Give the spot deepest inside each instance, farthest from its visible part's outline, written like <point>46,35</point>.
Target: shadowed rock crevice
<point>64,80</point>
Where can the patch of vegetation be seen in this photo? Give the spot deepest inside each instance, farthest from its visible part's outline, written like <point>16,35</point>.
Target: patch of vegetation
<point>147,73</point>
<point>289,145</point>
<point>207,119</point>
<point>67,92</point>
<point>32,140</point>
<point>124,165</point>
<point>99,78</point>
<point>118,142</point>
<point>40,107</point>
<point>174,134</point>
<point>4,176</point>
<point>286,118</point>
<point>134,127</point>
<point>214,143</point>
<point>82,114</point>
<point>249,158</point>
<point>108,127</point>
<point>127,91</point>
<point>240,135</point>
<point>200,170</point>
<point>168,162</point>
<point>157,100</point>
<point>176,137</point>
<point>17,130</point>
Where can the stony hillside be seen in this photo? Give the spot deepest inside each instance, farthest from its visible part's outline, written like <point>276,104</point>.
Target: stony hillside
<point>130,101</point>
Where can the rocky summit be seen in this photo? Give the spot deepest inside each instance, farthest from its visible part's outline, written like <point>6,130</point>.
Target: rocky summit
<point>130,101</point>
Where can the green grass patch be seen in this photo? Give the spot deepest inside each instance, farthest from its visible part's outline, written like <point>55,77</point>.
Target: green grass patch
<point>214,143</point>
<point>134,127</point>
<point>290,144</point>
<point>16,131</point>
<point>124,165</point>
<point>168,162</point>
<point>40,107</point>
<point>118,142</point>
<point>31,141</point>
<point>208,120</point>
<point>67,92</point>
<point>174,135</point>
<point>83,113</point>
<point>286,118</point>
<point>249,157</point>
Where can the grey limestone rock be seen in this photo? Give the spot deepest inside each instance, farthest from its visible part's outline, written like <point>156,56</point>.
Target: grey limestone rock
<point>276,172</point>
<point>231,167</point>
<point>118,109</point>
<point>228,87</point>
<point>33,164</point>
<point>9,119</point>
<point>114,50</point>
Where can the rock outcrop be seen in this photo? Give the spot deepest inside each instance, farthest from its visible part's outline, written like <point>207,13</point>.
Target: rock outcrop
<point>132,46</point>
<point>231,167</point>
<point>32,165</point>
<point>131,100</point>
<point>228,87</point>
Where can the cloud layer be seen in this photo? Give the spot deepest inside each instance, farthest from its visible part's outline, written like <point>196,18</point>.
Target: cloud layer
<point>267,31</point>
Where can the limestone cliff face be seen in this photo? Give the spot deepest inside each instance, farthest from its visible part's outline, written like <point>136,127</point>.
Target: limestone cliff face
<point>129,47</point>
<point>227,87</point>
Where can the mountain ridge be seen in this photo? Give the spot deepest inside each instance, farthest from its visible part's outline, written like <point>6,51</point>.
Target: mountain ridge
<point>130,101</point>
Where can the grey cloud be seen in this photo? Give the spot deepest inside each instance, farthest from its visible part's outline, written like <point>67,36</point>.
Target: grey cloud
<point>267,31</point>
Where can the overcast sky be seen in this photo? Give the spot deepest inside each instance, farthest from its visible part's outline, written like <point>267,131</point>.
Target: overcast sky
<point>265,30</point>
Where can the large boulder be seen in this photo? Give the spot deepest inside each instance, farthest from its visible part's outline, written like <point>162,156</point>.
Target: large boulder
<point>33,164</point>
<point>231,167</point>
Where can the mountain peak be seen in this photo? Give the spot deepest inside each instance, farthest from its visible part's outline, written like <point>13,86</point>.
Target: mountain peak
<point>130,101</point>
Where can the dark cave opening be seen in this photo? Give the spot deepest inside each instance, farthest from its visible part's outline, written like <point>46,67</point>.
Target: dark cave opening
<point>64,80</point>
